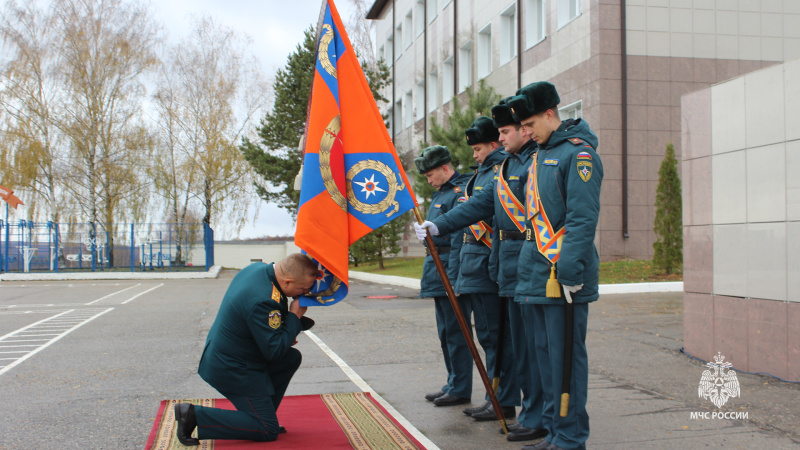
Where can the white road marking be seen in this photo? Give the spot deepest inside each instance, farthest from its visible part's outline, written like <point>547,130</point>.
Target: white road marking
<point>79,318</point>
<point>113,293</point>
<point>142,293</point>
<point>358,381</point>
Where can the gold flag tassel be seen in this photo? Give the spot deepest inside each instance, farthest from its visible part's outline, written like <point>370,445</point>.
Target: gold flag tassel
<point>553,288</point>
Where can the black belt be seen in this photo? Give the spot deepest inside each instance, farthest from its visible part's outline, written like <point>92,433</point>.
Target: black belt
<point>514,235</point>
<point>469,238</point>
<point>440,250</point>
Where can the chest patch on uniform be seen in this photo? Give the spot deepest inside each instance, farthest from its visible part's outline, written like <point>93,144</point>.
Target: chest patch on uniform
<point>585,170</point>
<point>478,188</point>
<point>550,162</point>
<point>513,177</point>
<point>276,294</point>
<point>438,205</point>
<point>274,319</point>
<point>585,156</point>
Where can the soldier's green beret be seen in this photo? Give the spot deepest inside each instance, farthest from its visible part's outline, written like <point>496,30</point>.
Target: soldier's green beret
<point>533,99</point>
<point>501,114</point>
<point>432,157</point>
<point>482,130</point>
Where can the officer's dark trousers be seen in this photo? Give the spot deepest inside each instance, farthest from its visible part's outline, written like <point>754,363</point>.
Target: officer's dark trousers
<point>486,310</point>
<point>255,417</point>
<point>527,373</point>
<point>569,432</point>
<point>457,357</point>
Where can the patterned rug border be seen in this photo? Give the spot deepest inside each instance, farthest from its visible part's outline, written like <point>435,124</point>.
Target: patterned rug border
<point>361,419</point>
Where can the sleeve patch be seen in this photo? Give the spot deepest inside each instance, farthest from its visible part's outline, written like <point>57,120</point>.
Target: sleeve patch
<point>585,170</point>
<point>585,155</point>
<point>274,319</point>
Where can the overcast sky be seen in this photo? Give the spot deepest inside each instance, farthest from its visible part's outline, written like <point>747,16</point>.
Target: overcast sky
<point>275,27</point>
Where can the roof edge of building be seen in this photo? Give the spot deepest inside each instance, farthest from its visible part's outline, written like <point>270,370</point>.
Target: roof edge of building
<point>376,9</point>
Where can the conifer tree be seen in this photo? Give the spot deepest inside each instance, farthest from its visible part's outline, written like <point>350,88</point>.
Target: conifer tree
<point>668,226</point>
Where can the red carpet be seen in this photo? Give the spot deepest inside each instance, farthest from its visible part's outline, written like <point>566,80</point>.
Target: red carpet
<point>330,421</point>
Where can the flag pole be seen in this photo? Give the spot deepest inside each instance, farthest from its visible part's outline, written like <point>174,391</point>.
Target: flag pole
<point>463,324</point>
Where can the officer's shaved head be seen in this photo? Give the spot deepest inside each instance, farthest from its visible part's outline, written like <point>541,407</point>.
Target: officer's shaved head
<point>300,266</point>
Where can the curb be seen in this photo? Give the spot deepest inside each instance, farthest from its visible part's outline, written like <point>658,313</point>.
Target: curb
<point>627,288</point>
<point>212,273</point>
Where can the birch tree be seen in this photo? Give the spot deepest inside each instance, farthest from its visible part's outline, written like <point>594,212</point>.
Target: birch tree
<point>210,89</point>
<point>32,150</point>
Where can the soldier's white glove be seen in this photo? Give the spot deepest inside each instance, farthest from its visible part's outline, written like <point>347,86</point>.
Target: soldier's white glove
<point>569,290</point>
<point>422,229</point>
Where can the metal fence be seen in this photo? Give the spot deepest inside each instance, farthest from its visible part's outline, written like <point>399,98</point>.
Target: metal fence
<point>27,246</point>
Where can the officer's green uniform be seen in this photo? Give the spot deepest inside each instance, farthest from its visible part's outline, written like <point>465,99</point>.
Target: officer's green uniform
<point>569,174</point>
<point>249,358</point>
<point>483,205</point>
<point>477,277</point>
<point>457,356</point>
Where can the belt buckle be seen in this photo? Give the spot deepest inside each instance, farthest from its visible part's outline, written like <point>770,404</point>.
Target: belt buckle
<point>528,233</point>
<point>465,238</point>
<point>501,235</point>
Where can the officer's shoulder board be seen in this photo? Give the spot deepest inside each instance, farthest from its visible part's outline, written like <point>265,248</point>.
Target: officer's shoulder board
<point>457,189</point>
<point>276,294</point>
<point>576,141</point>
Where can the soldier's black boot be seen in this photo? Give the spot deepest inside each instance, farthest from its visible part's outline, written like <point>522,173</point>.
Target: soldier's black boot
<point>184,417</point>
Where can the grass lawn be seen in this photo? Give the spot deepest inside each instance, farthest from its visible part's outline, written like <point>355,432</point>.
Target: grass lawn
<point>613,272</point>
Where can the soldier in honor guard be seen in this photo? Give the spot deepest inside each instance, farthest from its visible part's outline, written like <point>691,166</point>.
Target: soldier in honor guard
<point>249,355</point>
<point>435,163</point>
<point>506,202</point>
<point>477,279</point>
<point>559,264</point>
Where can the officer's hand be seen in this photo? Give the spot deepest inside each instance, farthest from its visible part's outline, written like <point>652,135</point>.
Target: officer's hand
<point>569,290</point>
<point>297,309</point>
<point>422,229</point>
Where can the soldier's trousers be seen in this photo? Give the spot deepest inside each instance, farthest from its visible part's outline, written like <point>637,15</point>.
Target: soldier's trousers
<point>527,370</point>
<point>255,417</point>
<point>569,432</point>
<point>486,310</point>
<point>457,357</point>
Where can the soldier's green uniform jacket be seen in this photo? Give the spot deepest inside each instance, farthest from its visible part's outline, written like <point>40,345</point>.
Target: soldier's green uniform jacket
<point>570,174</point>
<point>445,199</point>
<point>251,331</point>
<point>486,204</point>
<point>477,273</point>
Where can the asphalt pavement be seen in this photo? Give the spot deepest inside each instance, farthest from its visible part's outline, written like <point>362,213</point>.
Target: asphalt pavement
<point>96,382</point>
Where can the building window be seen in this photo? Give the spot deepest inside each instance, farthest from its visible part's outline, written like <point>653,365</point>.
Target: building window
<point>508,34</point>
<point>407,25</point>
<point>433,92</point>
<point>398,34</point>
<point>419,106</point>
<point>390,122</point>
<point>408,111</point>
<point>432,10</point>
<point>389,51</point>
<point>571,111</point>
<point>420,12</point>
<point>448,88</point>
<point>398,111</point>
<point>485,51</point>
<point>465,66</point>
<point>534,22</point>
<point>567,11</point>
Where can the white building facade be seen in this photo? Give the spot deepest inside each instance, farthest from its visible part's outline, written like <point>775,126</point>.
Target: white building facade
<point>621,65</point>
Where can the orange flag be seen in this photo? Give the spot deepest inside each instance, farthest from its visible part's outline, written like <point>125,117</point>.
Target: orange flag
<point>8,195</point>
<point>353,181</point>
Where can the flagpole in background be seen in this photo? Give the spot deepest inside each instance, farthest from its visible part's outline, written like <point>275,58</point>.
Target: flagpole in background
<point>463,324</point>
